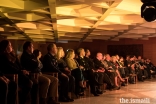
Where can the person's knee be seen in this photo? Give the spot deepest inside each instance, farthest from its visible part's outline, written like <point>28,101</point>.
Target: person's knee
<point>47,81</point>
<point>30,84</point>
<point>54,79</point>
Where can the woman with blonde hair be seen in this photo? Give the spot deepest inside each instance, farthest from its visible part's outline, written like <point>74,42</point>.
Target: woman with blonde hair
<point>64,68</point>
<point>76,71</point>
<point>116,66</point>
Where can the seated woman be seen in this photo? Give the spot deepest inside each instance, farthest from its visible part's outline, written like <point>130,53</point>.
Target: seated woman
<point>116,66</point>
<point>76,71</point>
<point>112,69</point>
<point>120,66</point>
<point>7,90</point>
<point>11,65</point>
<point>132,71</point>
<point>64,68</point>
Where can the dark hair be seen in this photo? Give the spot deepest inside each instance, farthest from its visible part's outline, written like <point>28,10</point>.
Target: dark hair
<point>3,45</point>
<point>36,52</point>
<point>86,50</point>
<point>131,56</point>
<point>10,56</point>
<point>50,46</point>
<point>79,51</point>
<point>26,45</point>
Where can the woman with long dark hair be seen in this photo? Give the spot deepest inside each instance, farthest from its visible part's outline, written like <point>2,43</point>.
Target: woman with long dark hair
<point>10,65</point>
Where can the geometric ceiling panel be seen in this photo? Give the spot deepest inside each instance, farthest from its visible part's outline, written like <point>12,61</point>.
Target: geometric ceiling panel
<point>144,31</point>
<point>113,27</point>
<point>73,20</point>
<point>150,24</point>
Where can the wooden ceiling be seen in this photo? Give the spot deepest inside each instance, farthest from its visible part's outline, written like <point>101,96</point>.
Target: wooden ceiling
<point>73,20</point>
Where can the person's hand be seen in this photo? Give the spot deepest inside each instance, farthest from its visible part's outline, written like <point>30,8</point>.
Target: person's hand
<point>81,67</point>
<point>110,67</point>
<point>64,75</point>
<point>101,70</point>
<point>25,72</point>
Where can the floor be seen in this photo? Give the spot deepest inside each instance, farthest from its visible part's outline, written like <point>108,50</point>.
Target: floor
<point>142,90</point>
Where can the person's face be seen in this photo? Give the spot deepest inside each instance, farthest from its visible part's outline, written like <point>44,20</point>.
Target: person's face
<point>104,57</point>
<point>54,49</point>
<point>100,56</point>
<point>108,57</point>
<point>142,60</point>
<point>117,57</point>
<point>121,59</point>
<point>31,48</point>
<point>132,59</point>
<point>63,54</point>
<point>40,55</point>
<point>82,52</point>
<point>139,57</point>
<point>9,48</point>
<point>73,55</point>
<point>88,53</point>
<point>127,58</point>
<point>114,59</point>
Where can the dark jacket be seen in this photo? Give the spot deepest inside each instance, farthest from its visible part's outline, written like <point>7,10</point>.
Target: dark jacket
<point>83,62</point>
<point>98,64</point>
<point>62,65</point>
<point>9,67</point>
<point>50,64</point>
<point>29,62</point>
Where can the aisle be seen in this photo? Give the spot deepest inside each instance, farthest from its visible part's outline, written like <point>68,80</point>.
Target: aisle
<point>142,90</point>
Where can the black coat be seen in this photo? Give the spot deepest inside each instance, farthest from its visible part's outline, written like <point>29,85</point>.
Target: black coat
<point>9,67</point>
<point>50,64</point>
<point>98,64</point>
<point>29,62</point>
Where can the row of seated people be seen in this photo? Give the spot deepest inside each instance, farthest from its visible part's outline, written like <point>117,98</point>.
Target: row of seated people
<point>73,73</point>
<point>143,67</point>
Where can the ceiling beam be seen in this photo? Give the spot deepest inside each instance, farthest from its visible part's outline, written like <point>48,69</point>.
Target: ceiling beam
<point>102,18</point>
<point>125,31</point>
<point>52,8</point>
<point>11,23</point>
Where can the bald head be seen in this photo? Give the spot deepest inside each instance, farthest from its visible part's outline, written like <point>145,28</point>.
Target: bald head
<point>99,56</point>
<point>107,57</point>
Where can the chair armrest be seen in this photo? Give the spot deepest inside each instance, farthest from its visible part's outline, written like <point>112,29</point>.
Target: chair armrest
<point>13,77</point>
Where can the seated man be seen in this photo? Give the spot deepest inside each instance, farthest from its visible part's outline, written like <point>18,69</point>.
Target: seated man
<point>100,69</point>
<point>50,64</point>
<point>88,71</point>
<point>46,82</point>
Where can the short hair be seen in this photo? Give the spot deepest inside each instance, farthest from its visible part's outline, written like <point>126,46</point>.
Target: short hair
<point>79,50</point>
<point>131,56</point>
<point>86,50</point>
<point>50,46</point>
<point>36,52</point>
<point>26,45</point>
